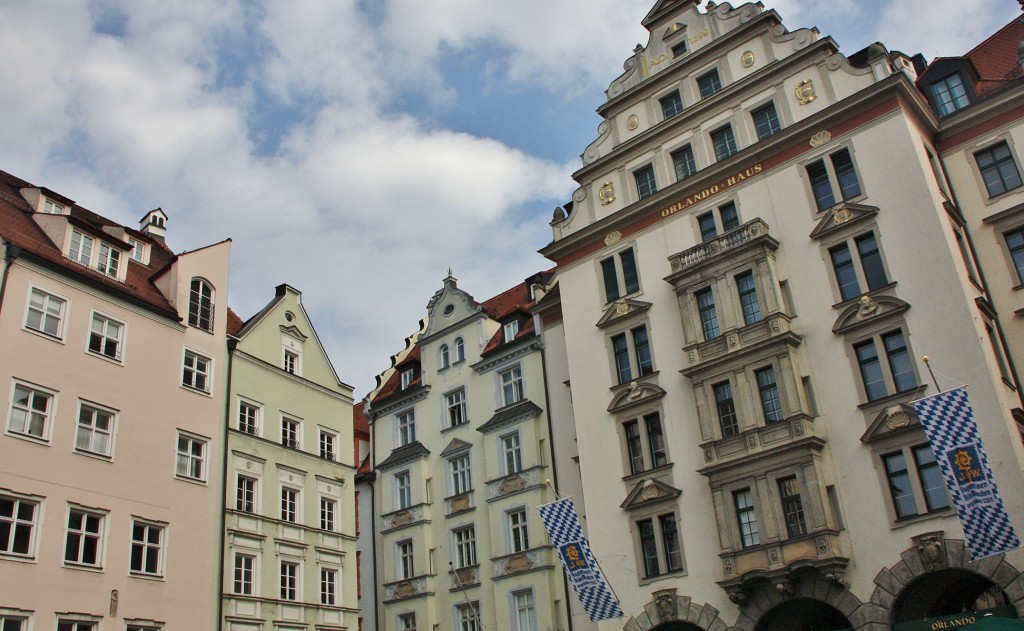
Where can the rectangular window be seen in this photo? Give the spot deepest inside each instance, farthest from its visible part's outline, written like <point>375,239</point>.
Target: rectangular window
<point>511,385</point>
<point>768,389</point>
<point>525,616</point>
<point>406,377</point>
<point>870,370</point>
<point>708,227</point>
<point>45,313</point>
<point>75,625</point>
<point>708,313</point>
<point>512,452</point>
<point>196,372</point>
<point>899,485</point>
<point>766,121</point>
<point>900,366</point>
<point>655,440</point>
<point>109,260</point>
<point>623,266</point>
<point>291,362</point>
<point>191,457</point>
<point>871,261</point>
<point>289,505</point>
<point>18,526</point>
<point>147,548</point>
<point>30,412</point>
<point>632,351</point>
<point>105,336</point>
<point>670,542</point>
<point>679,49</point>
<point>406,428</point>
<point>468,617</point>
<point>52,208</point>
<point>328,513</point>
<point>684,162</point>
<point>248,418</point>
<point>13,623</point>
<point>465,547</point>
<point>659,545</point>
<point>649,547</point>
<point>746,518</point>
<point>645,182</point>
<point>671,104</point>
<point>462,480</point>
<point>846,273</point>
<point>406,622</point>
<point>709,84</point>
<point>730,218</point>
<point>998,169</point>
<point>950,95</point>
<point>934,489</point>
<point>519,533</point>
<point>838,168</point>
<point>747,289</point>
<point>245,494</point>
<point>1015,244</point>
<point>655,455</point>
<point>245,574</point>
<point>289,580</point>
<point>724,142</point>
<point>455,403</point>
<point>634,447</point>
<point>406,566</point>
<point>81,248</point>
<point>328,586</point>
<point>403,490</point>
<point>726,409</point>
<point>290,432</point>
<point>328,449</point>
<point>200,304</point>
<point>138,249</point>
<point>792,507</point>
<point>95,432</point>
<point>83,544</point>
<point>868,266</point>
<point>511,330</point>
<point>879,382</point>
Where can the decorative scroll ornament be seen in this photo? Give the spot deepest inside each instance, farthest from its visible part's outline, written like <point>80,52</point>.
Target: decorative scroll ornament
<point>805,92</point>
<point>606,193</point>
<point>820,138</point>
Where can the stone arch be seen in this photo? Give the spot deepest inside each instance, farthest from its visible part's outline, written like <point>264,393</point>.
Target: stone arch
<point>812,586</point>
<point>932,552</point>
<point>666,608</point>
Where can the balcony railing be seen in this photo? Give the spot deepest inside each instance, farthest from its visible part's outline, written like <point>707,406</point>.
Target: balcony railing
<point>710,249</point>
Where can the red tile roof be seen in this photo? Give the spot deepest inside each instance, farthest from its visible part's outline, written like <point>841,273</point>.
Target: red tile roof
<point>507,301</point>
<point>360,425</point>
<point>996,59</point>
<point>235,322</point>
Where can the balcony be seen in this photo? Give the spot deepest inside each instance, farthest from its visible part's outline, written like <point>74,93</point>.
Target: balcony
<point>408,588</point>
<point>732,243</point>
<point>707,354</point>
<point>468,576</point>
<point>514,483</point>
<point>531,560</point>
<point>781,563</point>
<point>754,442</point>
<point>402,518</point>
<point>459,503</point>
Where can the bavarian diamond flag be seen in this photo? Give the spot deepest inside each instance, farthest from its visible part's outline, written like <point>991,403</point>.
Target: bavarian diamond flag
<point>563,526</point>
<point>948,422</point>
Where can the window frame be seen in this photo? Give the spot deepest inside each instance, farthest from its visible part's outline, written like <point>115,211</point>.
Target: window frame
<point>524,612</point>
<point>191,382</point>
<point>684,162</point>
<point>99,536</point>
<point>511,385</point>
<point>291,432</point>
<point>328,444</point>
<point>290,580</point>
<point>328,514</point>
<point>460,474</point>
<point>769,394</point>
<point>620,267</point>
<point>202,458</point>
<point>914,479</point>
<point>646,181</point>
<point>464,551</point>
<point>456,408</point>
<point>467,617</point>
<point>830,176</point>
<point>244,579</point>
<point>707,313</point>
<point>632,357</point>
<point>405,427</point>
<point>709,83</point>
<point>247,493</point>
<point>403,490</point>
<point>771,123</point>
<point>82,251</point>
<point>671,104</point>
<point>517,529</point>
<point>405,559</point>
<point>511,452</point>
<point>148,546</point>
<point>252,422</point>
<point>748,298</point>
<point>291,504</point>
<point>101,352</point>
<point>652,540</point>
<point>644,445</point>
<point>62,317</point>
<point>746,516</point>
<point>1010,158</point>
<point>201,305</point>
<point>329,586</point>
<point>111,433</point>
<point>944,107</point>
<point>30,411</point>
<point>723,142</point>
<point>791,506</point>
<point>16,522</point>
<point>885,364</point>
<point>865,267</point>
<point>725,409</point>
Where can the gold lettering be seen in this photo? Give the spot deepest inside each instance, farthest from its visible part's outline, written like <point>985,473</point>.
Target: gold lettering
<point>757,168</point>
<point>714,189</point>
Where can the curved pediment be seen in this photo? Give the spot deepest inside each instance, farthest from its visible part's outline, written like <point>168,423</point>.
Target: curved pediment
<point>649,491</point>
<point>622,309</point>
<point>868,310</point>
<point>841,218</point>
<point>637,393</point>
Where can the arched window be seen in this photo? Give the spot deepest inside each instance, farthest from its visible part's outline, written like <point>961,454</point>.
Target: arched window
<point>200,304</point>
<point>460,349</point>
<point>445,358</point>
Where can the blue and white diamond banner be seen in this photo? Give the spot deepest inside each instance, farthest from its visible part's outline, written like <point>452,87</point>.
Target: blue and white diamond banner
<point>563,526</point>
<point>948,422</point>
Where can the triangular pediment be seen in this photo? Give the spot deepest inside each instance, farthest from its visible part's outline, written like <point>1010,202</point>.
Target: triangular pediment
<point>649,491</point>
<point>638,393</point>
<point>841,218</point>
<point>621,309</point>
<point>867,310</point>
<point>294,331</point>
<point>676,28</point>
<point>454,447</point>
<point>896,419</point>
<point>663,7</point>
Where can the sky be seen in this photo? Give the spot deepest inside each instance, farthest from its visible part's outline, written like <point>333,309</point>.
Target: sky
<point>355,149</point>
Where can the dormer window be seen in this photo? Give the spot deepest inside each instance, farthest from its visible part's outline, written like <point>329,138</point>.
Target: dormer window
<point>406,377</point>
<point>950,94</point>
<point>109,260</point>
<point>52,208</point>
<point>81,248</point>
<point>138,249</point>
<point>511,330</point>
<point>200,304</point>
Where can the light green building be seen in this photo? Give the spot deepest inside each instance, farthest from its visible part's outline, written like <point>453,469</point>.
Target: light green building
<point>290,536</point>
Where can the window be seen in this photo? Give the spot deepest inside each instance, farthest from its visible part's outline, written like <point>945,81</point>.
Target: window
<point>328,586</point>
<point>730,219</point>
<point>445,356</point>
<point>328,511</point>
<point>406,567</point>
<point>768,390</point>
<point>17,526</point>
<point>792,507</point>
<point>328,442</point>
<point>406,428</point>
<point>904,497</point>
<point>621,266</point>
<point>147,548</point>
<point>649,454</point>
<point>747,289</point>
<point>838,168</point>
<point>289,580</point>
<point>455,402</point>
<point>196,371</point>
<point>289,504</point>
<point>879,382</point>
<point>460,349</point>
<point>511,330</point>
<point>406,378</point>
<point>659,545</point>
<point>868,266</point>
<point>679,49</point>
<point>950,95</point>
<point>708,314</point>
<point>724,142</point>
<point>468,617</point>
<point>728,216</point>
<point>708,229</point>
<point>465,547</point>
<point>708,84</point>
<point>291,362</point>
<point>249,418</point>
<point>30,412</point>
<point>645,182</point>
<point>746,518</point>
<point>290,432</point>
<point>200,304</point>
<point>13,623</point>
<point>74,625</point>
<point>512,453</point>
<point>998,169</point>
<point>403,490</point>
<point>766,121</point>
<point>105,336</point>
<point>142,627</point>
<point>245,495</point>
<point>84,538</point>
<point>462,480</point>
<point>51,208</point>
<point>245,574</point>
<point>95,430</point>
<point>191,461</point>
<point>684,163</point>
<point>525,616</point>
<point>511,385</point>
<point>407,622</point>
<point>632,350</point>
<point>45,313</point>
<point>109,260</point>
<point>518,530</point>
<point>81,248</point>
<point>726,409</point>
<point>137,251</point>
<point>671,104</point>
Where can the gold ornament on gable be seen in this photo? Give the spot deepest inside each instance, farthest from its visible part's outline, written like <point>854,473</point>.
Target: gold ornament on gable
<point>632,122</point>
<point>747,59</point>
<point>606,193</point>
<point>805,92</point>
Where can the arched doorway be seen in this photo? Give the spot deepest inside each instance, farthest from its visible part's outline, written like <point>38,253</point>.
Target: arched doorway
<point>945,592</point>
<point>677,626</point>
<point>803,614</point>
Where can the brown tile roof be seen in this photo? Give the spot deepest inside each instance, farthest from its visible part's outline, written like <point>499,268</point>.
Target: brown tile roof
<point>996,58</point>
<point>235,322</point>
<point>360,425</point>
<point>507,301</point>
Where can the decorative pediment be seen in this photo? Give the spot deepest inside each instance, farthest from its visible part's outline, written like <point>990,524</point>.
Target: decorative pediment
<point>403,455</point>
<point>294,331</point>
<point>892,420</point>
<point>621,309</point>
<point>867,310</point>
<point>675,28</point>
<point>454,447</point>
<point>637,393</point>
<point>649,491</point>
<point>841,218</point>
<point>506,416</point>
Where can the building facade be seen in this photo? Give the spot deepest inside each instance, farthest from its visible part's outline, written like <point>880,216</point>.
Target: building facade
<point>114,364</point>
<point>462,445</point>
<point>767,239</point>
<point>289,553</point>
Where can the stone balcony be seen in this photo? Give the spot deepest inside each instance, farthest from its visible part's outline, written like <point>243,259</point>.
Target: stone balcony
<point>775,327</point>
<point>514,483</point>
<point>404,517</point>
<point>408,588</point>
<point>690,261</point>
<point>459,503</point>
<point>531,560</point>
<point>468,576</point>
<point>756,441</point>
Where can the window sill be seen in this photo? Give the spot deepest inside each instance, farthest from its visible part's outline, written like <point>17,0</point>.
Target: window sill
<point>653,579</point>
<point>883,290</point>
<point>646,473</point>
<point>903,522</point>
<point>94,455</point>
<point>195,481</point>
<point>38,440</point>
<point>205,393</point>
<point>10,556</point>
<point>117,361</point>
<point>44,335</point>
<point>452,427</point>
<point>900,397</point>
<point>146,577</point>
<point>82,567</point>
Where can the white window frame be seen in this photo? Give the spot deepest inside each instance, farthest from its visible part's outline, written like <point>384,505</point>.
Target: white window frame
<point>467,617</point>
<point>329,584</point>
<point>15,523</point>
<point>159,547</point>
<point>247,493</point>
<point>405,559</point>
<point>403,490</point>
<point>291,432</point>
<point>511,446</point>
<point>62,316</point>
<point>524,610</point>
<point>48,416</point>
<point>82,254</point>
<point>328,514</point>
<point>444,356</point>
<point>202,458</point>
<point>78,622</point>
<point>406,378</point>
<point>290,583</point>
<point>138,251</point>
<point>100,535</point>
<point>331,444</point>
<point>105,320</point>
<point>111,432</point>
<point>407,621</point>
<point>460,469</point>
<point>511,330</point>
<point>405,427</point>
<point>244,580</point>
<point>191,382</point>
<point>23,618</point>
<point>197,303</point>
<point>517,521</point>
<point>464,546</point>
<point>292,362</point>
<point>256,418</point>
<point>291,504</point>
<point>108,261</point>
<point>460,350</point>
<point>511,377</point>
<point>51,207</point>
<point>455,406</point>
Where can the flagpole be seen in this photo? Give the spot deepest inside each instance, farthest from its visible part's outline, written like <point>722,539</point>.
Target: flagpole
<point>464,594</point>
<point>924,358</point>
<point>547,481</point>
